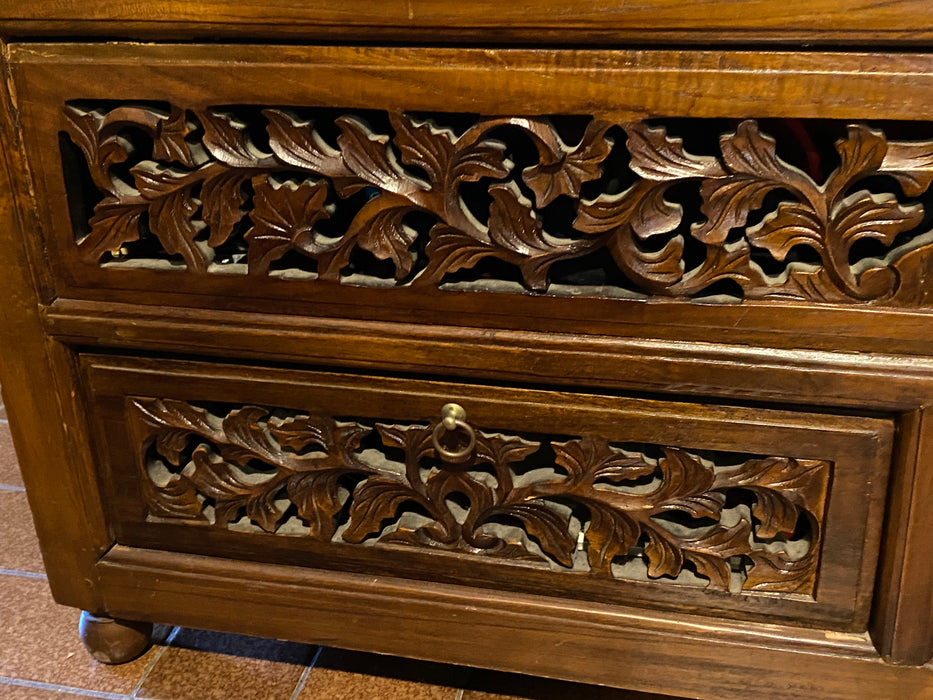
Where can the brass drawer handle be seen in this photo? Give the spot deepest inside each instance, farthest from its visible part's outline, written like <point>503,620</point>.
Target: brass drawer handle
<point>453,417</point>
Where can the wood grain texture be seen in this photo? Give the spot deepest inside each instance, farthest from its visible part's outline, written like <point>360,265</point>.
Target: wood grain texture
<point>586,381</point>
<point>324,457</point>
<point>417,166</point>
<point>33,372</point>
<point>544,637</point>
<point>593,21</point>
<point>149,516</point>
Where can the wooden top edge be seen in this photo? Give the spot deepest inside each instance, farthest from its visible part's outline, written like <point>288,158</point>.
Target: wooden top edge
<point>587,21</point>
<point>734,60</point>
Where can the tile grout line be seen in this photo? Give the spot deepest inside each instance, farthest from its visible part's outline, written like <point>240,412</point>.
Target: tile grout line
<point>11,487</point>
<point>459,695</point>
<point>38,685</point>
<point>304,675</point>
<point>153,661</point>
<point>23,574</point>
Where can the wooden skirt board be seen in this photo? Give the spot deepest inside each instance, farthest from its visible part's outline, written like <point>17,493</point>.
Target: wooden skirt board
<point>680,298</point>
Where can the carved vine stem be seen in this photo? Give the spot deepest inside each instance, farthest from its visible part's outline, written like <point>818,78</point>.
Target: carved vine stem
<point>205,177</point>
<point>256,464</point>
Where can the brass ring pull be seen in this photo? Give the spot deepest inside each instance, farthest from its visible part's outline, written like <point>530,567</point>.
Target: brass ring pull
<point>453,417</point>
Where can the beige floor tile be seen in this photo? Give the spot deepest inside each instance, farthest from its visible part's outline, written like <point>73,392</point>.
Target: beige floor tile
<point>494,685</point>
<point>19,548</point>
<point>40,642</point>
<point>13,692</point>
<point>9,468</point>
<point>326,684</point>
<point>348,675</point>
<point>210,666</point>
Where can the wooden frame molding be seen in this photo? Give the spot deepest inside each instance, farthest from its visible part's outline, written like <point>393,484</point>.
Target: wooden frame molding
<point>189,341</point>
<point>897,386</point>
<point>593,21</point>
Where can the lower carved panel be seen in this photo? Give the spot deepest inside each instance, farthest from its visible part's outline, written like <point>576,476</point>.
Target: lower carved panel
<point>726,521</point>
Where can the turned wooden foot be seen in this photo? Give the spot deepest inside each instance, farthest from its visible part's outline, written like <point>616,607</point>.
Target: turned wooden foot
<point>113,641</point>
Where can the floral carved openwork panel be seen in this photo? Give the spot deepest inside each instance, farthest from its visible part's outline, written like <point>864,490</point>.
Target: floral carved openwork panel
<point>583,504</point>
<point>553,205</point>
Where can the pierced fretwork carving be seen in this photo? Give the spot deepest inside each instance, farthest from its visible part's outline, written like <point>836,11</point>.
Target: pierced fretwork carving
<point>581,504</point>
<point>548,203</point>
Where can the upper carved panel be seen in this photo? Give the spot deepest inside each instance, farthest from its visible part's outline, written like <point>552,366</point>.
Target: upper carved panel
<point>561,205</point>
<point>575,504</point>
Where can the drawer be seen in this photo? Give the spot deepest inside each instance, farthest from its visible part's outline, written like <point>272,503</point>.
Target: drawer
<point>500,188</point>
<point>743,511</point>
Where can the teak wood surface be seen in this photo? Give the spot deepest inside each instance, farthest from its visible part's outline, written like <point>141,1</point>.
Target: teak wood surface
<point>147,376</point>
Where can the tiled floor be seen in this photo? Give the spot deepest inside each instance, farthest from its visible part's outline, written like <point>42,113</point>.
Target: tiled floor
<point>41,657</point>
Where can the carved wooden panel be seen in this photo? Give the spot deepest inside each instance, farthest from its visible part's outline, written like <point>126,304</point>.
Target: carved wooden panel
<point>729,522</point>
<point>559,205</point>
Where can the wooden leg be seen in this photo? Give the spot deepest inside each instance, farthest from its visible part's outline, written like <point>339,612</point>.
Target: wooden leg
<point>113,641</point>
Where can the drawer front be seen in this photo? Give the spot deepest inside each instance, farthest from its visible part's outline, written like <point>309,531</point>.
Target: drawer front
<point>377,185</point>
<point>749,512</point>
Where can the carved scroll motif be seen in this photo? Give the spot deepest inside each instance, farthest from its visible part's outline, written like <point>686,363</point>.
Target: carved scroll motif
<point>582,504</point>
<point>417,203</point>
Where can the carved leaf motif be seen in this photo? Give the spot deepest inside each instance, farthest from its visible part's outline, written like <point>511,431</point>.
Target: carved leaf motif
<point>255,462</point>
<point>681,475</point>
<point>243,428</point>
<point>861,154</point>
<point>912,165</point>
<point>866,215</point>
<point>773,572</point>
<point>727,203</point>
<point>171,141</point>
<point>221,197</point>
<point>379,227</point>
<point>296,143</point>
<point>700,505</point>
<point>317,497</point>
<point>754,171</point>
<point>226,140</point>
<point>171,207</point>
<point>450,249</point>
<point>710,553</point>
<point>114,223</point>
<point>171,413</point>
<point>299,432</point>
<point>611,534</point>
<point>170,221</point>
<point>571,167</point>
<point>413,440</point>
<point>283,218</point>
<point>642,208</point>
<point>483,159</point>
<point>101,152</point>
<point>367,155</point>
<point>502,449</point>
<point>593,458</point>
<point>665,557</point>
<point>170,443</point>
<point>515,229</point>
<point>792,224</point>
<point>375,500</point>
<point>178,498</point>
<point>656,156</point>
<point>808,283</point>
<point>547,527</point>
<point>424,146</point>
<point>655,215</point>
<point>217,480</point>
<point>729,261</point>
<point>781,486</point>
<point>713,567</point>
<point>655,270</point>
